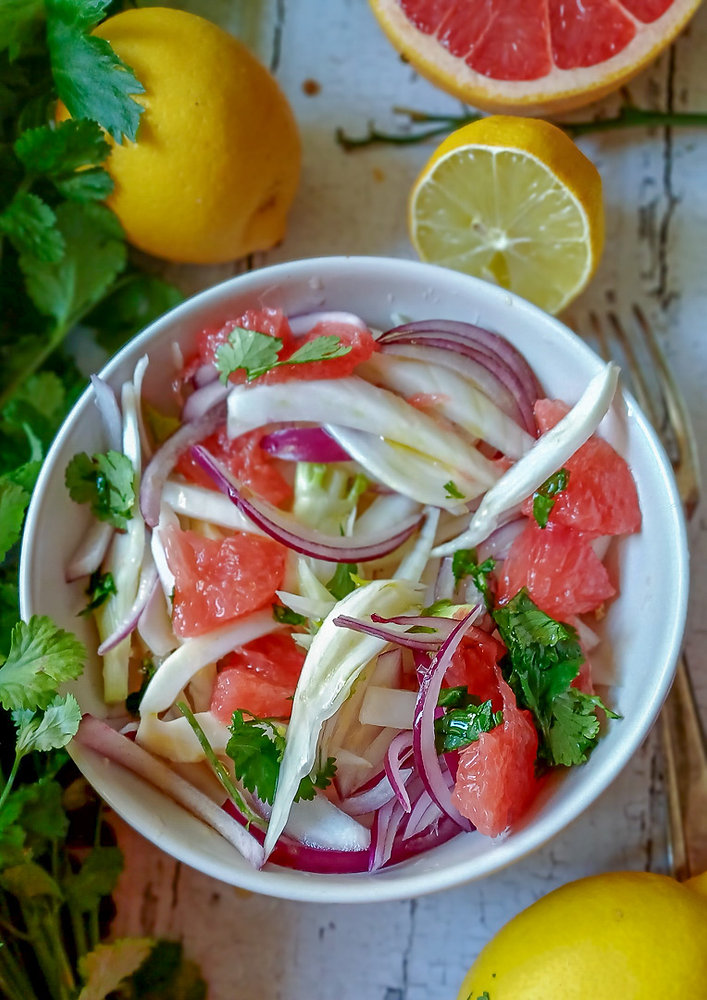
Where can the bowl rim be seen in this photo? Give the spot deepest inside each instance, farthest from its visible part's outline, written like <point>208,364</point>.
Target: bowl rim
<point>394,883</point>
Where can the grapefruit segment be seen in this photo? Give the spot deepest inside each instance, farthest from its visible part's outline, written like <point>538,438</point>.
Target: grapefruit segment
<point>538,56</point>
<point>217,581</point>
<point>559,569</point>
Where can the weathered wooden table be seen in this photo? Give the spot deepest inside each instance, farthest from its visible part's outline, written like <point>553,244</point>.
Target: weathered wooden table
<point>339,71</point>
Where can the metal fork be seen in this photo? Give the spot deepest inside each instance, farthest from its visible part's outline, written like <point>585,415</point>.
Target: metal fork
<point>647,373</point>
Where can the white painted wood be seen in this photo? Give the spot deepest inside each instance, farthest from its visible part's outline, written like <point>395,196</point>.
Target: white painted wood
<point>656,200</point>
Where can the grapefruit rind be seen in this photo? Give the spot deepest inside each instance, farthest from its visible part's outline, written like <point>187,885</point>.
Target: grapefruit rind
<point>560,90</point>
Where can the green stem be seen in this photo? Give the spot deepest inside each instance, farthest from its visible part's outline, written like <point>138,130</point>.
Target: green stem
<point>627,117</point>
<point>14,983</point>
<point>10,781</point>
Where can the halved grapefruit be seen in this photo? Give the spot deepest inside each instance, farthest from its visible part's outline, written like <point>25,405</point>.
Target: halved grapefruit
<point>531,55</point>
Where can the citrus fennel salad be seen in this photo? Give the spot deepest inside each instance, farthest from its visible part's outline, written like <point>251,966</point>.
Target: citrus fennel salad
<point>345,597</point>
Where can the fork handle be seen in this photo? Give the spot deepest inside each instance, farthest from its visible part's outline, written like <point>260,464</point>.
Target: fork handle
<point>686,779</point>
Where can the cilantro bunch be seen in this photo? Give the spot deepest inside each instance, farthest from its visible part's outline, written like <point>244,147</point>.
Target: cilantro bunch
<point>63,262</point>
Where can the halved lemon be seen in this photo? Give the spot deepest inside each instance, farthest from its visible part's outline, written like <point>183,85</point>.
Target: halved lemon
<point>513,201</point>
<point>537,56</point>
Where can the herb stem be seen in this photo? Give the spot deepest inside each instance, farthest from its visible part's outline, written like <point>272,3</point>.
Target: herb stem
<point>627,117</point>
<point>10,780</point>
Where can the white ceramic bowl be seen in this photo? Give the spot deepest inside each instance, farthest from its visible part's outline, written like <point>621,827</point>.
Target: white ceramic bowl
<point>642,630</point>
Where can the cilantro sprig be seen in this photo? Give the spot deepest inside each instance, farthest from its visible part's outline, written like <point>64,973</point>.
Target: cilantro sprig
<point>256,747</point>
<point>544,657</point>
<point>257,353</point>
<point>465,562</point>
<point>105,481</point>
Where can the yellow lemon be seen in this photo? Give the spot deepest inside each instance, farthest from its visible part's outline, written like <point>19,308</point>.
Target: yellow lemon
<point>617,936</point>
<point>216,163</point>
<point>514,201</point>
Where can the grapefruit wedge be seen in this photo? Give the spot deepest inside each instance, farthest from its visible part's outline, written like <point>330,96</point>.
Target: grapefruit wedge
<point>538,56</point>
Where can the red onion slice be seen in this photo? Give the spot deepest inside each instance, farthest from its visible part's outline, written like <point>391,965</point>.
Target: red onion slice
<point>423,814</point>
<point>398,753</point>
<point>385,828</point>
<point>91,550</point>
<point>370,798</point>
<point>204,399</point>
<point>302,324</point>
<point>284,528</point>
<point>414,640</point>
<point>486,348</point>
<point>165,458</point>
<point>304,444</point>
<point>146,587</point>
<point>426,759</point>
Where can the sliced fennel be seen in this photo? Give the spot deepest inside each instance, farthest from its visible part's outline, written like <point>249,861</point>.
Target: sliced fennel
<point>455,398</point>
<point>125,555</point>
<point>547,455</point>
<point>335,659</point>
<point>353,402</point>
<point>175,740</point>
<point>206,505</point>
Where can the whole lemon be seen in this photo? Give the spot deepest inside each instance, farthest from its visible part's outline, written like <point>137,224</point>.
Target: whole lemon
<point>617,936</point>
<point>216,163</point>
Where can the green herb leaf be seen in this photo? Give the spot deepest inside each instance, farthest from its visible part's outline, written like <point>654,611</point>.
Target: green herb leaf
<point>93,184</point>
<point>139,299</point>
<point>322,779</point>
<point>30,225</point>
<point>462,725</point>
<point>20,21</point>
<point>107,966</point>
<point>452,491</point>
<point>29,881</point>
<point>255,353</point>
<point>319,349</point>
<point>545,495</point>
<point>56,150</point>
<point>465,562</point>
<point>100,587</point>
<point>13,503</point>
<point>106,481</point>
<point>48,730</point>
<point>96,878</point>
<point>95,254</point>
<point>544,657</point>
<point>342,582</point>
<point>286,616</point>
<point>256,747</point>
<point>167,975</point>
<point>90,78</point>
<point>42,656</point>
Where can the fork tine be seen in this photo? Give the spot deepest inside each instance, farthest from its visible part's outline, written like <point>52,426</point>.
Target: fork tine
<point>639,383</point>
<point>687,470</point>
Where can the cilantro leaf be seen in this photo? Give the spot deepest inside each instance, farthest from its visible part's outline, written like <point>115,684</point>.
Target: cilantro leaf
<point>55,150</point>
<point>574,729</point>
<point>95,254</point>
<point>106,481</point>
<point>465,562</point>
<point>319,349</point>
<point>19,21</point>
<point>322,779</point>
<point>139,299</point>
<point>48,730</point>
<point>42,656</point>
<point>544,657</point>
<point>96,878</point>
<point>93,184</point>
<point>167,975</point>
<point>452,491</point>
<point>545,495</point>
<point>13,503</point>
<point>107,966</point>
<point>256,747</point>
<point>464,721</point>
<point>342,582</point>
<point>30,225</point>
<point>100,587</point>
<point>90,78</point>
<point>255,353</point>
<point>286,616</point>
